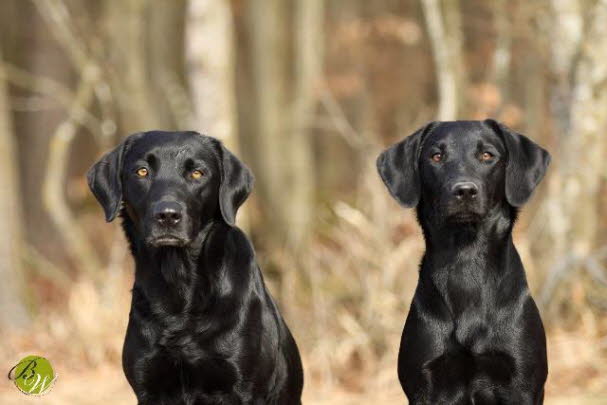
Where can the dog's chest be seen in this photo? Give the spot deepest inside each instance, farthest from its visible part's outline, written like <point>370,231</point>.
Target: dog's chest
<point>470,291</point>
<point>187,349</point>
<point>198,373</point>
<point>189,336</point>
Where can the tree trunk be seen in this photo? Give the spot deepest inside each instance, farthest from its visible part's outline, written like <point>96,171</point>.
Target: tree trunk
<point>308,56</point>
<point>455,48</point>
<point>446,39</point>
<point>276,69</point>
<point>210,58</point>
<point>146,49</point>
<point>574,194</point>
<point>500,73</point>
<point>43,57</point>
<point>12,291</point>
<point>165,34</point>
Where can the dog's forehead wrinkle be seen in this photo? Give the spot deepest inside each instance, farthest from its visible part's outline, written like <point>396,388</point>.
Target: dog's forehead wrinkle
<point>182,151</point>
<point>463,142</point>
<point>171,154</point>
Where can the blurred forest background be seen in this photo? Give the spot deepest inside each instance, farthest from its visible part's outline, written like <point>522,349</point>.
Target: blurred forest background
<point>307,93</point>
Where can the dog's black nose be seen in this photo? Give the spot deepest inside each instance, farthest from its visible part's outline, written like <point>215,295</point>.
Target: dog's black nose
<point>167,213</point>
<point>465,190</point>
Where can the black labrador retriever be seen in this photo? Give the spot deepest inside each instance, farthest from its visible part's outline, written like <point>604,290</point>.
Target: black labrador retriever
<point>473,334</point>
<point>202,329</point>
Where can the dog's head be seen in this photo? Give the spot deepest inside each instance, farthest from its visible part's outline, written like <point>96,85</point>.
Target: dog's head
<point>461,170</point>
<point>170,184</point>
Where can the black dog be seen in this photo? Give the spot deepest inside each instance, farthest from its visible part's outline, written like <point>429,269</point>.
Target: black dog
<point>473,334</point>
<point>202,329</point>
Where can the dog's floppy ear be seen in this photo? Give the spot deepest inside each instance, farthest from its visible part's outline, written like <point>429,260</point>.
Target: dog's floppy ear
<point>236,185</point>
<point>527,164</point>
<point>398,167</point>
<point>105,183</point>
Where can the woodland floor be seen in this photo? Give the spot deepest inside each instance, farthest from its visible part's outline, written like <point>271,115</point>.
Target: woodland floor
<point>106,385</point>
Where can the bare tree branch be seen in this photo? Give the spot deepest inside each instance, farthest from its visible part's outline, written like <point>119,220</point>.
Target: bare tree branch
<point>53,195</point>
<point>57,15</point>
<point>49,88</point>
<point>340,121</point>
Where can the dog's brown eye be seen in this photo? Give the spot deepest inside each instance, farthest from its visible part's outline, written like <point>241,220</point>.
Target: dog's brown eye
<point>196,174</point>
<point>142,172</point>
<point>487,156</point>
<point>437,157</point>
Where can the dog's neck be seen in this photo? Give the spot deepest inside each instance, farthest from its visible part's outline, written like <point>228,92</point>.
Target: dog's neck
<point>473,266</point>
<point>171,276</point>
<point>487,240</point>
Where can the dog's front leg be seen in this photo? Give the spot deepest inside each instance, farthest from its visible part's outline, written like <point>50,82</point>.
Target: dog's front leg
<point>420,344</point>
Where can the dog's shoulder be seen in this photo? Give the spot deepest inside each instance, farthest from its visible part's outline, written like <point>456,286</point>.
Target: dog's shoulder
<point>231,243</point>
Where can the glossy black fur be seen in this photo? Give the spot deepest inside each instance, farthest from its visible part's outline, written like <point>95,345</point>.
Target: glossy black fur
<point>473,334</point>
<point>202,329</point>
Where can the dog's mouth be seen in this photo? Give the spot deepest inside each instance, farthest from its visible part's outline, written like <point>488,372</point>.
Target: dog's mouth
<point>464,216</point>
<point>168,240</point>
<point>459,212</point>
